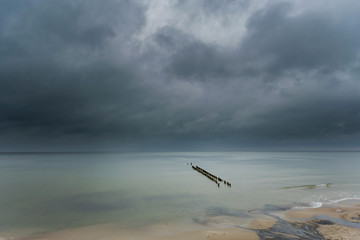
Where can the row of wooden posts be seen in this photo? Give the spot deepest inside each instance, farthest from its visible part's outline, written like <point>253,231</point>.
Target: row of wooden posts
<point>212,177</point>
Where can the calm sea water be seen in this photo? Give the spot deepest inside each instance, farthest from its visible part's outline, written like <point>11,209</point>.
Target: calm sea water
<point>50,191</point>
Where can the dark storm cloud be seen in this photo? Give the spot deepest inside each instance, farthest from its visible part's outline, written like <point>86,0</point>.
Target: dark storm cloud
<point>57,75</point>
<point>299,49</point>
<point>60,102</point>
<point>215,7</point>
<point>310,118</point>
<point>199,61</point>
<point>310,40</point>
<point>191,58</point>
<point>116,73</point>
<point>172,39</point>
<point>275,42</point>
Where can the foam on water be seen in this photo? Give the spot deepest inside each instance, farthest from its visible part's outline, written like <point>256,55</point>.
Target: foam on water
<point>343,200</point>
<point>319,204</point>
<point>310,205</point>
<point>324,185</point>
<point>316,204</point>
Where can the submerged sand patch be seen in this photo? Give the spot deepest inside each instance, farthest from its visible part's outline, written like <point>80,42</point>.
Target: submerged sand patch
<point>338,222</point>
<point>153,232</point>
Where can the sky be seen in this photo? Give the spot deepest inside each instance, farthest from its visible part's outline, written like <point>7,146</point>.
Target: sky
<point>179,75</point>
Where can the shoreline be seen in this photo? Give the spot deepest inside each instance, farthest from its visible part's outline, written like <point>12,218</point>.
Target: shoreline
<point>339,221</point>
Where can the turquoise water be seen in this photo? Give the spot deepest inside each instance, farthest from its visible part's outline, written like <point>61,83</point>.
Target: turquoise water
<point>51,191</point>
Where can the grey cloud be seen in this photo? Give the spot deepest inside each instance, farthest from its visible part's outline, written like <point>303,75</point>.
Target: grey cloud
<point>54,82</point>
<point>309,119</point>
<point>68,25</point>
<point>199,61</point>
<point>303,48</point>
<point>216,7</point>
<point>189,58</point>
<point>50,29</point>
<point>276,42</point>
<point>309,40</point>
<point>84,73</point>
<point>57,100</point>
<point>172,39</point>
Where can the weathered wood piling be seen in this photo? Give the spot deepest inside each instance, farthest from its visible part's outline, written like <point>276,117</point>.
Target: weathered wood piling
<point>210,176</point>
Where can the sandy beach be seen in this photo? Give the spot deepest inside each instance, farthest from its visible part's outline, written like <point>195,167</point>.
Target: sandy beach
<point>338,222</point>
<point>160,231</point>
<point>329,228</point>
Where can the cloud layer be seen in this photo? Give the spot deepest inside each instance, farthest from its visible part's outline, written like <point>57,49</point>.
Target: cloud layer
<point>179,75</point>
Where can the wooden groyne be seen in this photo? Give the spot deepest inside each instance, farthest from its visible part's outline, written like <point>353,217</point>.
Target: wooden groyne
<point>210,176</point>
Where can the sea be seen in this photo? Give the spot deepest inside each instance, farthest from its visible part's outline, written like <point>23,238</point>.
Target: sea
<point>44,192</point>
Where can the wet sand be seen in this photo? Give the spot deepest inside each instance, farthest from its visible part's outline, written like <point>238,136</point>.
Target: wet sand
<point>160,232</point>
<point>337,222</point>
<point>341,222</point>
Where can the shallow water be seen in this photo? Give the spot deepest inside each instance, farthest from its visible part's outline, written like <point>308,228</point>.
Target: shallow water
<point>50,191</point>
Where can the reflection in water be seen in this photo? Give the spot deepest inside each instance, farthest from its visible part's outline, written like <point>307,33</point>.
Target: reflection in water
<point>87,202</point>
<point>309,186</point>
